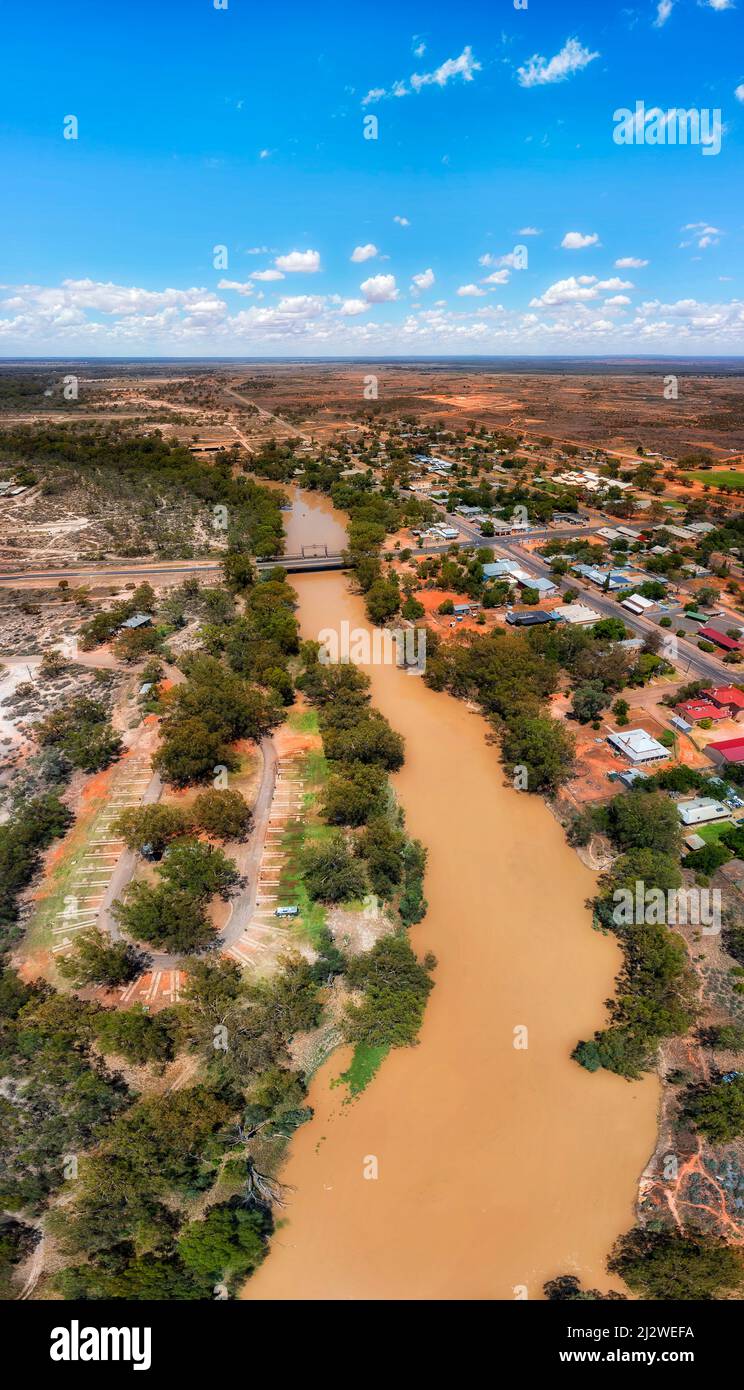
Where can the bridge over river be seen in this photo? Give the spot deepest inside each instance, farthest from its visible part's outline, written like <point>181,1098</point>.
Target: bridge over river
<point>309,560</point>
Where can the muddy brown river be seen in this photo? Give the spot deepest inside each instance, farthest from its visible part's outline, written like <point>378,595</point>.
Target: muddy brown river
<point>499,1166</point>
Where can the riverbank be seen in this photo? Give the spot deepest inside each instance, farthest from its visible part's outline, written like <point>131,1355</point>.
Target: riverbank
<point>499,1166</point>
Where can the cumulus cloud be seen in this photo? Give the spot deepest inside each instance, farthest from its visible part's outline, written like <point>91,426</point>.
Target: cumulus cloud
<point>497,277</point>
<point>267,275</point>
<point>465,66</point>
<point>529,231</point>
<point>629,263</point>
<point>470,292</point>
<point>308,261</point>
<point>539,71</point>
<point>739,92</point>
<point>402,221</point>
<point>379,289</point>
<point>576,241</point>
<point>240,286</point>
<point>86,316</point>
<point>424,280</point>
<point>364,253</point>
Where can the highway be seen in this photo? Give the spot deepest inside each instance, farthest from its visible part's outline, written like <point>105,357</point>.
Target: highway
<point>699,664</point>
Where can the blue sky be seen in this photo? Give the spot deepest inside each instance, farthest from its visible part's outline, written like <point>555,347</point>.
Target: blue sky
<point>244,127</point>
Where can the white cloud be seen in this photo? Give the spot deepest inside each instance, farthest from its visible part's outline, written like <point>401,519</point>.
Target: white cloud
<point>464,66</point>
<point>379,289</point>
<point>264,154</point>
<point>511,259</point>
<point>470,292</point>
<point>538,70</point>
<point>630,263</point>
<point>267,275</point>
<point>363,253</point>
<point>240,287</point>
<point>576,241</point>
<point>617,299</point>
<point>529,231</point>
<point>308,261</point>
<point>663,11</point>
<point>569,291</point>
<point>424,280</point>
<point>80,317</point>
<point>300,304</point>
<point>739,92</point>
<point>402,221</point>
<point>703,235</point>
<point>497,277</point>
<point>721,4</point>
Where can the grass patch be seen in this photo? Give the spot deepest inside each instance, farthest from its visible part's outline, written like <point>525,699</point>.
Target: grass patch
<point>711,833</point>
<point>723,477</point>
<point>303,721</point>
<point>363,1067</point>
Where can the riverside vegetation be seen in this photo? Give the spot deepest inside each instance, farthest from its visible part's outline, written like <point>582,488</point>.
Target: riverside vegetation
<point>154,1194</point>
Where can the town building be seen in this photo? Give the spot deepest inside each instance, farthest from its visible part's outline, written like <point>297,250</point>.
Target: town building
<point>701,810</point>
<point>638,746</point>
<point>636,603</point>
<point>695,710</point>
<point>711,634</point>
<point>728,750</point>
<point>578,614</point>
<point>529,618</point>
<point>727,698</point>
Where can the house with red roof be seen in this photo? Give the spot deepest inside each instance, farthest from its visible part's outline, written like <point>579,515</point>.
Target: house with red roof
<point>695,710</point>
<point>728,698</point>
<point>728,750</point>
<point>711,634</point>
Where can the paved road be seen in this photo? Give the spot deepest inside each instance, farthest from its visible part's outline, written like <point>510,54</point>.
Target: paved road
<point>691,659</point>
<point>244,906</point>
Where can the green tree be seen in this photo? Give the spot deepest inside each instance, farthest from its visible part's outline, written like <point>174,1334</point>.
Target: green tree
<point>395,989</point>
<point>717,1109</point>
<point>383,600</point>
<point>139,1036</point>
<point>588,702</point>
<point>156,825</point>
<point>541,745</point>
<point>642,820</point>
<point>226,1243</point>
<point>353,794</point>
<point>96,960</point>
<point>222,814</point>
<point>671,1266</point>
<point>165,916</point>
<point>191,752</point>
<point>330,872</point>
<point>200,870</point>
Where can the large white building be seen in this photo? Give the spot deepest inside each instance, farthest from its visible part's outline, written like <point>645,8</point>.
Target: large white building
<point>638,746</point>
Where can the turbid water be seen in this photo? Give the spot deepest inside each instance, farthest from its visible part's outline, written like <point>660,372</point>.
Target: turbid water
<point>499,1166</point>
